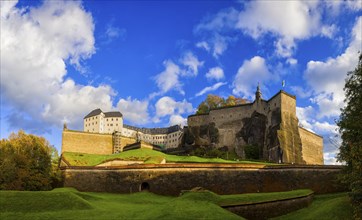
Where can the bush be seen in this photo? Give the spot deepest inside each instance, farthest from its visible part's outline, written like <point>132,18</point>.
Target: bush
<point>251,152</point>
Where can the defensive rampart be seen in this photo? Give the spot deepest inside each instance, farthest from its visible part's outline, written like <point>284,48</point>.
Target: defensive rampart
<point>171,179</point>
<point>312,147</point>
<point>84,142</point>
<point>92,143</point>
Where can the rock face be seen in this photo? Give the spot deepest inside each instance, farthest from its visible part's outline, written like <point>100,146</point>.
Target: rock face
<point>271,126</point>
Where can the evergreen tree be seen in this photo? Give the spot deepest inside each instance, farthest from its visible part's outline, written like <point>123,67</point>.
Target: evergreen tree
<point>350,128</point>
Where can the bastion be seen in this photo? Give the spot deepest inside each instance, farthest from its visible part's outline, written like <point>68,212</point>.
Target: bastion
<point>271,126</point>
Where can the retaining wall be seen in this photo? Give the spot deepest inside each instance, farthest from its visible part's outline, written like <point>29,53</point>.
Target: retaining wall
<point>266,210</point>
<point>171,179</point>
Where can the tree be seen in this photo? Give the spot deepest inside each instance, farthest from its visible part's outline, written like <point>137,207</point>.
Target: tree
<point>350,128</point>
<point>214,102</point>
<point>26,162</point>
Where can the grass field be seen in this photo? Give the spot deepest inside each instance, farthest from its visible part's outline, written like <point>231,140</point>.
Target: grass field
<point>146,155</point>
<point>68,203</point>
<point>328,207</point>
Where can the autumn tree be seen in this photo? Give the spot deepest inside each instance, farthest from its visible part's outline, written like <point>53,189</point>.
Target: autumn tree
<point>214,101</point>
<point>26,162</point>
<point>350,128</point>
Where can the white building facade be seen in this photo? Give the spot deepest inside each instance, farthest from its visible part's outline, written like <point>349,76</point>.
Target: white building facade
<point>103,122</point>
<point>98,121</point>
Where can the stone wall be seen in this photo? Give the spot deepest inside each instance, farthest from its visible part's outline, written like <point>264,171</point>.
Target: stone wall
<point>270,125</point>
<point>84,142</point>
<point>312,147</point>
<point>267,210</point>
<point>91,143</point>
<point>171,179</point>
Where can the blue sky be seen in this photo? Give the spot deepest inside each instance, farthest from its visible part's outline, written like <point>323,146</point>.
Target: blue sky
<point>155,61</point>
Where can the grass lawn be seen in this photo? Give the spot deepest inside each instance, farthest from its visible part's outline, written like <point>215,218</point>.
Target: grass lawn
<point>68,203</point>
<point>328,207</point>
<point>146,155</point>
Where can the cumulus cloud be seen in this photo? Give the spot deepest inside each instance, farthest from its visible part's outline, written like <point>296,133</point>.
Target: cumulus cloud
<point>330,158</point>
<point>192,64</point>
<point>168,106</point>
<point>177,120</point>
<point>169,78</point>
<point>249,74</point>
<point>134,110</point>
<point>288,20</point>
<point>305,114</point>
<point>210,88</point>
<point>326,78</point>
<point>215,73</point>
<point>38,43</point>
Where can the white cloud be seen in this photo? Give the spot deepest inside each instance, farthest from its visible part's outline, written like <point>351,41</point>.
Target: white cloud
<point>292,61</point>
<point>301,92</point>
<point>134,110</point>
<point>38,42</point>
<point>204,45</point>
<point>169,78</point>
<point>305,114</point>
<point>210,88</point>
<point>192,63</point>
<point>215,73</point>
<point>177,120</point>
<point>329,103</point>
<point>249,74</point>
<point>330,158</point>
<point>325,128</point>
<point>288,20</point>
<point>326,78</point>
<point>220,44</point>
<point>223,20</point>
<point>168,106</point>
<point>215,29</point>
<point>112,33</point>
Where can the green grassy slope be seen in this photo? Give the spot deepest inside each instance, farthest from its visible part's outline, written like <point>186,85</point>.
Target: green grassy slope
<point>328,207</point>
<point>80,205</point>
<point>67,203</point>
<point>147,155</point>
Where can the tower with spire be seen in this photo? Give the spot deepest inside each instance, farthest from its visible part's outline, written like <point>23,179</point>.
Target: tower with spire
<point>258,93</point>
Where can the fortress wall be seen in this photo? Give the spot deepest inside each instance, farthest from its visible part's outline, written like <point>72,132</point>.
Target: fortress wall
<point>127,141</point>
<point>288,104</point>
<point>312,147</point>
<point>83,142</point>
<point>224,116</point>
<point>198,120</point>
<point>171,181</point>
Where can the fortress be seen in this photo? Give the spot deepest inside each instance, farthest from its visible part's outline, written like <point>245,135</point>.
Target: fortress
<point>268,126</point>
<point>271,126</point>
<point>105,133</point>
